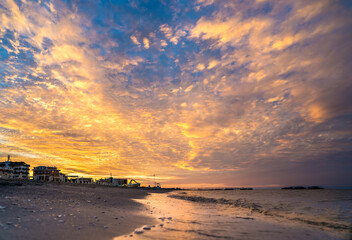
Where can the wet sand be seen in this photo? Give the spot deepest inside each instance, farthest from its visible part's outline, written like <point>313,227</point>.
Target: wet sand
<point>60,211</point>
<point>184,219</point>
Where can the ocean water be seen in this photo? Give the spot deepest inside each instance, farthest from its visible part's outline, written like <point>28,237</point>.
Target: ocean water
<point>253,214</point>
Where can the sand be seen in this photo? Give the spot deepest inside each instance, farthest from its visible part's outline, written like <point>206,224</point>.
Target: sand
<point>61,211</point>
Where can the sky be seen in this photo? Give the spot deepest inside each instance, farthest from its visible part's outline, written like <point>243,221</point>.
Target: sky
<point>206,93</point>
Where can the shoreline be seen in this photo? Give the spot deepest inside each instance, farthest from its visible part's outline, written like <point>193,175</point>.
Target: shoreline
<point>74,211</point>
<point>184,219</point>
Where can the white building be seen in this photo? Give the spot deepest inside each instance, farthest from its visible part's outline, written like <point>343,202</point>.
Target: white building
<point>14,170</point>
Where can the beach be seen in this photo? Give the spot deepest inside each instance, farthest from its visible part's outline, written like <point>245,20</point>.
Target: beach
<point>61,211</point>
<point>67,211</point>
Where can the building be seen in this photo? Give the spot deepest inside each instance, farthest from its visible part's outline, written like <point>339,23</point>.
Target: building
<point>6,171</point>
<point>71,179</point>
<point>14,170</point>
<point>83,180</point>
<point>102,181</point>
<point>119,181</point>
<point>112,181</point>
<point>44,173</point>
<point>62,177</point>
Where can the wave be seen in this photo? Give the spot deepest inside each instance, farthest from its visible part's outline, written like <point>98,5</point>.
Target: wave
<point>237,203</point>
<point>255,207</point>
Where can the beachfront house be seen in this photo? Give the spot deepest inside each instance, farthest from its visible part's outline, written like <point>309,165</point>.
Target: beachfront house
<point>112,181</point>
<point>83,180</point>
<point>119,181</point>
<point>101,181</point>
<point>76,179</point>
<point>71,178</point>
<point>14,170</point>
<point>49,174</point>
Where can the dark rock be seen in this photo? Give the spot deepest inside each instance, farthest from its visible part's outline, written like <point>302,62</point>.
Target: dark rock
<point>293,188</point>
<point>314,187</point>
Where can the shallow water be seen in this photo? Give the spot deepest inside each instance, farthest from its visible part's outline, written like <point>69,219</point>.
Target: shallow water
<point>328,208</point>
<point>257,214</point>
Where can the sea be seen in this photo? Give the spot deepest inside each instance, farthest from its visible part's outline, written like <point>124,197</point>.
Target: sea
<point>248,214</point>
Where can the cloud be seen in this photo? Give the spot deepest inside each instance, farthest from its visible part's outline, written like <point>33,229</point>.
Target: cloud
<point>219,90</point>
<point>171,35</point>
<point>212,64</point>
<point>135,40</point>
<point>200,67</point>
<point>146,43</point>
<point>167,30</point>
<point>163,43</point>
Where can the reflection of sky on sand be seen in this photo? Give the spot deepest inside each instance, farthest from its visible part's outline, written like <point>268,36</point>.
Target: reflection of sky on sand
<point>179,219</point>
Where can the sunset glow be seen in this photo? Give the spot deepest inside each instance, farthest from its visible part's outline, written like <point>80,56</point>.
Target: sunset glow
<point>200,93</point>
